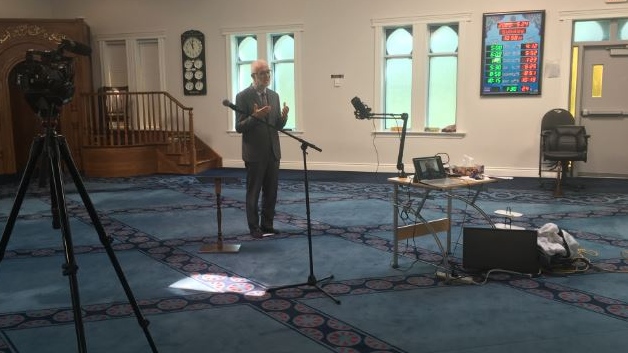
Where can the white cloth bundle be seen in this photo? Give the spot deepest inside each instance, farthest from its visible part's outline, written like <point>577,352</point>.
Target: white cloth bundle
<point>553,244</point>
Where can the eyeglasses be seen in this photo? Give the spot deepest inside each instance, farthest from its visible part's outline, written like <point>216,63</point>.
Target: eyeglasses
<point>263,73</point>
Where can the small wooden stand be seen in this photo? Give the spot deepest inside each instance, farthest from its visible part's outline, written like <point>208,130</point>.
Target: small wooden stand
<point>219,246</point>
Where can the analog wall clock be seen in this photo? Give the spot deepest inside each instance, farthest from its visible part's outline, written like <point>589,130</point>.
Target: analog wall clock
<point>193,63</point>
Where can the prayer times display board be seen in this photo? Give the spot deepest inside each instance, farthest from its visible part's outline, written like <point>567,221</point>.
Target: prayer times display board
<point>512,53</point>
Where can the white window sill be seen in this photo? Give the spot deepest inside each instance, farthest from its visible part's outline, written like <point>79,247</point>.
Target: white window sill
<point>391,134</point>
<point>421,134</point>
<point>235,133</point>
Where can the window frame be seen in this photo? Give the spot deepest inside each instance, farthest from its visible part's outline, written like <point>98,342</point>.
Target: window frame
<point>431,29</point>
<point>133,43</point>
<point>264,46</point>
<point>237,64</point>
<point>393,124</point>
<point>272,62</point>
<point>420,68</point>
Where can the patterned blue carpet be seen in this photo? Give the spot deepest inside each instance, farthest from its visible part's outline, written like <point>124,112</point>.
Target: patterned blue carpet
<point>219,302</point>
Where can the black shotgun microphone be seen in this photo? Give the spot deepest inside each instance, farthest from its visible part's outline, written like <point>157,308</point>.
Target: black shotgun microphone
<point>361,110</point>
<point>75,47</point>
<point>226,103</point>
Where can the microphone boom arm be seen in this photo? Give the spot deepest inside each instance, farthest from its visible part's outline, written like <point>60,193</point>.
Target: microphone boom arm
<point>402,142</point>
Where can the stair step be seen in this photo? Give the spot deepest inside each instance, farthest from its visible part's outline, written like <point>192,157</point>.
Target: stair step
<point>199,162</point>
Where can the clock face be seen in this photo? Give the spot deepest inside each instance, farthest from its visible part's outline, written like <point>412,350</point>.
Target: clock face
<point>188,64</point>
<point>198,63</point>
<point>189,86</point>
<point>189,75</point>
<point>192,47</point>
<point>198,75</point>
<point>199,85</point>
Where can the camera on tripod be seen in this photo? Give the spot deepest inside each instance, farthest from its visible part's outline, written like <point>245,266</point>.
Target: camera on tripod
<point>47,77</point>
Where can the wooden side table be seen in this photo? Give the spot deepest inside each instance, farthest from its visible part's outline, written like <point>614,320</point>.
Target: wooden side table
<point>219,246</point>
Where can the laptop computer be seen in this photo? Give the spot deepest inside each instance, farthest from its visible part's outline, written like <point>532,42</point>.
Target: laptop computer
<point>430,171</point>
<point>485,249</point>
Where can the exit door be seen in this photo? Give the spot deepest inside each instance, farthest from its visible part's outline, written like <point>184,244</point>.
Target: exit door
<point>604,110</point>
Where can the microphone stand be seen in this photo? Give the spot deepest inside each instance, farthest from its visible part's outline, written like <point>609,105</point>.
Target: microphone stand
<point>312,281</point>
<point>387,116</point>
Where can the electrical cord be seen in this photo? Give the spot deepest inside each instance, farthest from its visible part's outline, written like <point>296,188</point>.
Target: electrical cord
<point>404,215</point>
<point>488,273</point>
<point>574,265</point>
<point>580,264</point>
<point>582,252</point>
<point>464,220</point>
<point>375,147</point>
<point>470,279</point>
<point>409,215</point>
<point>445,161</point>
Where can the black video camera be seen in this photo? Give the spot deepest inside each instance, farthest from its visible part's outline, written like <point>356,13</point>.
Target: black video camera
<point>47,77</point>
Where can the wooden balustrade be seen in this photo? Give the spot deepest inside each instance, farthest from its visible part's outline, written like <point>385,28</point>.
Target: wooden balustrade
<point>119,125</point>
<point>122,118</point>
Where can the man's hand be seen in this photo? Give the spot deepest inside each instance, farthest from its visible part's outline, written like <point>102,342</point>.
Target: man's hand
<point>284,111</point>
<point>260,113</point>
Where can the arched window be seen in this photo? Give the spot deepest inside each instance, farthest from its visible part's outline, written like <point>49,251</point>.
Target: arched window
<point>398,74</point>
<point>280,47</point>
<point>420,74</point>
<point>443,74</point>
<point>246,53</point>
<point>282,64</point>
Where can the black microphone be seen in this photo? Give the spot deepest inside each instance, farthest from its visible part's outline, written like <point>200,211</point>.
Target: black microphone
<point>75,47</point>
<point>226,103</point>
<point>361,110</point>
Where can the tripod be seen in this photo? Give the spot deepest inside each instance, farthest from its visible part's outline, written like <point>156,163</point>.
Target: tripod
<point>311,279</point>
<point>53,149</point>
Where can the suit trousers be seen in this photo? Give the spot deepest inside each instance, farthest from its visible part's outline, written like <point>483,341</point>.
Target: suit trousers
<point>261,177</point>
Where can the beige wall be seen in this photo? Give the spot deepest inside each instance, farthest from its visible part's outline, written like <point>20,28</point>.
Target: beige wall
<point>502,133</point>
<point>26,9</point>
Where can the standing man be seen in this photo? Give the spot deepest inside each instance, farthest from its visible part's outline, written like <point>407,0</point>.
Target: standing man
<point>261,151</point>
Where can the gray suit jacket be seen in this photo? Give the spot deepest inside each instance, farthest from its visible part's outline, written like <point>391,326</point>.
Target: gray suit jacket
<point>259,141</point>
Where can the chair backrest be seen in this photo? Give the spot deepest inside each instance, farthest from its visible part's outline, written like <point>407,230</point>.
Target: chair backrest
<point>115,103</point>
<point>568,140</point>
<point>556,117</point>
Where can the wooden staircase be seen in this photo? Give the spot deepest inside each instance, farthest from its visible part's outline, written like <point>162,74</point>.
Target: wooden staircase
<point>141,133</point>
<point>203,158</point>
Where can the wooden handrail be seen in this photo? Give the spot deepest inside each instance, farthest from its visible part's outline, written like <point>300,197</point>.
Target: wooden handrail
<point>137,118</point>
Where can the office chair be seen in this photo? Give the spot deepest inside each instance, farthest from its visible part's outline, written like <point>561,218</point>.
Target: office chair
<point>552,118</point>
<point>563,145</point>
<point>556,117</point>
